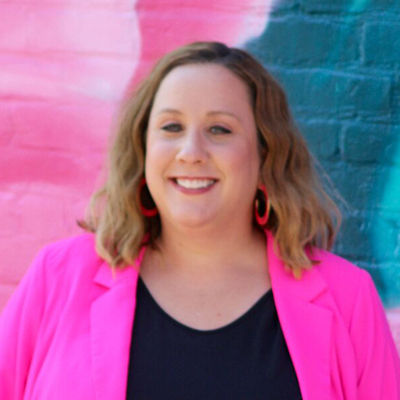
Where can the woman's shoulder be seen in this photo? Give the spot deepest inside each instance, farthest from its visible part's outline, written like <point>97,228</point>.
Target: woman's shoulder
<point>345,281</point>
<point>81,246</point>
<point>336,269</point>
<point>70,258</point>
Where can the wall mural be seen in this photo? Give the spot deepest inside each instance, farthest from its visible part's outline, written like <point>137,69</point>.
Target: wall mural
<point>66,67</point>
<point>338,65</point>
<point>338,62</point>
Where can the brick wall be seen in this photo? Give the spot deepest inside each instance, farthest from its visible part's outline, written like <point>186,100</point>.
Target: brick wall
<point>65,66</point>
<point>339,63</point>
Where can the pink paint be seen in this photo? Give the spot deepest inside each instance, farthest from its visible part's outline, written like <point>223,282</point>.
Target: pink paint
<point>64,69</point>
<point>229,21</point>
<point>393,316</point>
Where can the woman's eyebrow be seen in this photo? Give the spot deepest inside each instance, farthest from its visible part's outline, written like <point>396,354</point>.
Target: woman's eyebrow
<point>169,110</point>
<point>210,113</point>
<point>229,114</point>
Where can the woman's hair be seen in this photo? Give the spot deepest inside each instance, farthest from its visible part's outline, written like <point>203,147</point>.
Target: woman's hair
<point>302,215</point>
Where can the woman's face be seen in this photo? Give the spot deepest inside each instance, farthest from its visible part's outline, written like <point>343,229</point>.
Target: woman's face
<point>202,159</point>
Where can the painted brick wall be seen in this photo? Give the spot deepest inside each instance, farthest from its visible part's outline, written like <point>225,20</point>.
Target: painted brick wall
<point>339,62</point>
<point>64,67</point>
<point>66,64</point>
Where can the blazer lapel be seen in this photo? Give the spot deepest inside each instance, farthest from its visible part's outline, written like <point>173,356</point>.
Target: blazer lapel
<point>306,325</point>
<point>111,323</point>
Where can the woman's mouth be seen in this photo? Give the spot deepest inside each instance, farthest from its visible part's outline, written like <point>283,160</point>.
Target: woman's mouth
<point>194,185</point>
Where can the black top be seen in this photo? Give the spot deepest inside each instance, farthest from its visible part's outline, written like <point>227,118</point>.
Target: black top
<point>247,359</point>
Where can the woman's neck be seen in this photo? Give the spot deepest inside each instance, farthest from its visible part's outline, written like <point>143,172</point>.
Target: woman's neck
<point>199,251</point>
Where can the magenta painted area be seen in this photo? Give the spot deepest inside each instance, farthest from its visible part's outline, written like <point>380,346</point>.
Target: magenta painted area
<point>393,316</point>
<point>184,21</point>
<point>65,65</point>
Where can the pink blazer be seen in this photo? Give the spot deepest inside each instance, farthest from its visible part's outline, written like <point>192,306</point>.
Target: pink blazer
<point>66,332</point>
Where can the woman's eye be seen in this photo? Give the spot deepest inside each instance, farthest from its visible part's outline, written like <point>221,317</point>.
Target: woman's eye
<point>172,127</point>
<point>220,129</point>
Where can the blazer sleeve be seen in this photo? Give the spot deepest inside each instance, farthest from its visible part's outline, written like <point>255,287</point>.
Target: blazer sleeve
<point>378,364</point>
<point>19,328</point>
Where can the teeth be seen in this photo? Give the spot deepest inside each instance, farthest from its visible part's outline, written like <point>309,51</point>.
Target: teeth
<point>195,183</point>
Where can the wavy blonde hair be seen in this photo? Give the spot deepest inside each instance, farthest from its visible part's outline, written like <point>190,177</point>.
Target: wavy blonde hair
<point>302,215</point>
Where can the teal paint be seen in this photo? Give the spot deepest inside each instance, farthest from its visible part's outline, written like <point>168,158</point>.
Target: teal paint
<point>359,5</point>
<point>339,64</point>
<point>385,244</point>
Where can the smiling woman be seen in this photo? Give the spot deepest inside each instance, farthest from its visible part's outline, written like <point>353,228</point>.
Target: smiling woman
<point>207,146</point>
<point>205,272</point>
<point>227,93</point>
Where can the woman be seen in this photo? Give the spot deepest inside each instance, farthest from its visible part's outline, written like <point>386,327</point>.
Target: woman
<point>206,276</point>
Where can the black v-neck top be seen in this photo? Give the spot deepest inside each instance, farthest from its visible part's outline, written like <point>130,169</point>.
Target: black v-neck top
<point>247,359</point>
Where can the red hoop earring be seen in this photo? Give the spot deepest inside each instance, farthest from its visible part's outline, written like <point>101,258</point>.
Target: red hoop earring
<point>145,211</point>
<point>262,220</point>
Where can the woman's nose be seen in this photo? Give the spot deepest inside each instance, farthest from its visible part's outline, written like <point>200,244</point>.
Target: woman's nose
<point>193,148</point>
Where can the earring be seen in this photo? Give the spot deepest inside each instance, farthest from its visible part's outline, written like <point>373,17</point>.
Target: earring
<point>145,211</point>
<point>264,205</point>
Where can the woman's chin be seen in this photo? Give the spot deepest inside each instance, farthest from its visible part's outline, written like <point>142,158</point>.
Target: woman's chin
<point>191,220</point>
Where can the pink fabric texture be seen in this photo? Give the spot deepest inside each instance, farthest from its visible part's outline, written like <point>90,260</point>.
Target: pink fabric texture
<point>66,331</point>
